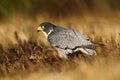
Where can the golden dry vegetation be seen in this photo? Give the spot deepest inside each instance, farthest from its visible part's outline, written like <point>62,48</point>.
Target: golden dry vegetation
<point>18,39</point>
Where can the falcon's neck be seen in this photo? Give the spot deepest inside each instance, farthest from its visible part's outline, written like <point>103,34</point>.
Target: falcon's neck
<point>48,33</point>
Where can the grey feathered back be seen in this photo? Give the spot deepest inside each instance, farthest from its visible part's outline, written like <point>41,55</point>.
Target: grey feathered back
<point>63,38</point>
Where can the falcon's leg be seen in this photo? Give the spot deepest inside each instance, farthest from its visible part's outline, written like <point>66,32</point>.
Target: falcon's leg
<point>61,53</point>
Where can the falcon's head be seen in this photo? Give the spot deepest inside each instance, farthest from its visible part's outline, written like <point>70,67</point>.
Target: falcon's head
<point>46,27</point>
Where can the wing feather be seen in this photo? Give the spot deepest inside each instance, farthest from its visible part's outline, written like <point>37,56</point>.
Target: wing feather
<point>67,38</point>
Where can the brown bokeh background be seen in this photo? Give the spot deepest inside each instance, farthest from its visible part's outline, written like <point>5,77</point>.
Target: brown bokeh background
<point>57,8</point>
<point>97,19</point>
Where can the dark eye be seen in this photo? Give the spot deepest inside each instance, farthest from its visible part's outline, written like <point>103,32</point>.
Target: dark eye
<point>44,26</point>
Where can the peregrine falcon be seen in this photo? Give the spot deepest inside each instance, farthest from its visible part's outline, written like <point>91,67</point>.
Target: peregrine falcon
<point>66,41</point>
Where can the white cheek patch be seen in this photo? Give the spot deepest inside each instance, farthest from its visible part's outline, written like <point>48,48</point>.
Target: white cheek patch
<point>46,35</point>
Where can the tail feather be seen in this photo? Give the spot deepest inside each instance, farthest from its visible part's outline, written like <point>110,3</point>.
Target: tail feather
<point>98,44</point>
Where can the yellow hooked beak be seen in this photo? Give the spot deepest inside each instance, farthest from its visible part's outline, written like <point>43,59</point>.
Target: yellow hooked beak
<point>40,28</point>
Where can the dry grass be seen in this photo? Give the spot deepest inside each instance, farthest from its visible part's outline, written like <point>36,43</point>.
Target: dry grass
<point>19,39</point>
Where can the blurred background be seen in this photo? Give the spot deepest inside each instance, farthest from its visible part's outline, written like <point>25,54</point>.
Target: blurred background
<point>57,8</point>
<point>97,19</point>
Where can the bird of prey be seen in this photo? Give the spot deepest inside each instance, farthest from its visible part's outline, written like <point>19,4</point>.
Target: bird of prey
<point>66,41</point>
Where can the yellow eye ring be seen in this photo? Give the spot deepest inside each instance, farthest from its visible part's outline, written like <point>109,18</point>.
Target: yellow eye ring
<point>42,27</point>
